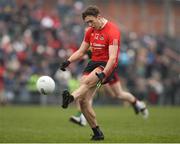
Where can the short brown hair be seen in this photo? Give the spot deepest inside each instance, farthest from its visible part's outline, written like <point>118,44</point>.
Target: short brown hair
<point>91,11</point>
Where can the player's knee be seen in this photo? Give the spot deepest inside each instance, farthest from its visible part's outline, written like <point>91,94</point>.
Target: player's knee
<point>88,83</point>
<point>115,93</point>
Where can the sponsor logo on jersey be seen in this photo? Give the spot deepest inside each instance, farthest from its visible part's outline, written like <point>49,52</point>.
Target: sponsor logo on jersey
<point>101,37</point>
<point>98,45</point>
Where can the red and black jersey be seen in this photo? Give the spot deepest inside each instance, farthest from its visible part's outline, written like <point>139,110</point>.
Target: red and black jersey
<point>100,40</point>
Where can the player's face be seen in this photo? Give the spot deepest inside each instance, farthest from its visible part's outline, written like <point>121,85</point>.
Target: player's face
<point>92,21</point>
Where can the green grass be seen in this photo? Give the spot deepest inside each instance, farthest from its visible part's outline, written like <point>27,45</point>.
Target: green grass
<point>24,124</point>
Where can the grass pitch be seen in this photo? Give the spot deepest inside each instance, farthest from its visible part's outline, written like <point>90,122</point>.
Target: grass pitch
<point>33,124</point>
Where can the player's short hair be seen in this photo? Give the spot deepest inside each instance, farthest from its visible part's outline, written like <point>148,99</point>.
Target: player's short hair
<point>91,11</point>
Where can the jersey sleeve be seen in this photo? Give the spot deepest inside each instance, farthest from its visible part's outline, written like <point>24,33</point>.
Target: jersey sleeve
<point>87,35</point>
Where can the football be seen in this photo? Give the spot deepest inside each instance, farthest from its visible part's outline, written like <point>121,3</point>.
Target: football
<point>45,85</point>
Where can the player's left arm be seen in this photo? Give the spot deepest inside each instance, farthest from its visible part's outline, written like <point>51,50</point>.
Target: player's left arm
<point>114,42</point>
<point>113,54</point>
<point>111,64</point>
<point>114,47</point>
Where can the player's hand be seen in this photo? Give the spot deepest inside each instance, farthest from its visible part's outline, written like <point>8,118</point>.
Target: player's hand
<point>64,65</point>
<point>101,75</point>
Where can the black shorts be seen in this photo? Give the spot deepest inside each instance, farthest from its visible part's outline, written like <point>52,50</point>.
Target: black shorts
<point>93,64</point>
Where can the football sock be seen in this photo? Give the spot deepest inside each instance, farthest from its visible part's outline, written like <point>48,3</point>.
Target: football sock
<point>78,114</point>
<point>97,131</point>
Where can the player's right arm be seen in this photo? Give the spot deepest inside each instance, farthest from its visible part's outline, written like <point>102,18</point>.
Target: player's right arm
<point>83,48</point>
<point>76,55</point>
<point>80,52</point>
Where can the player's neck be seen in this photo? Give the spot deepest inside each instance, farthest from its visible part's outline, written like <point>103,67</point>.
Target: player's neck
<point>103,23</point>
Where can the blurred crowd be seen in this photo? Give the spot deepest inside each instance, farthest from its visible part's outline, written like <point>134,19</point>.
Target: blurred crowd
<point>34,41</point>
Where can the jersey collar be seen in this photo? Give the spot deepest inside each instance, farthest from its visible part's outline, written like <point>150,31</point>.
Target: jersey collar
<point>105,22</point>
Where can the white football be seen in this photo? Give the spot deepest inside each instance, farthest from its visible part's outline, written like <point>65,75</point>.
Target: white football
<point>45,85</point>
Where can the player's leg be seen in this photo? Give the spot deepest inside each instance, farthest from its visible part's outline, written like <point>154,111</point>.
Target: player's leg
<point>138,106</point>
<point>88,84</point>
<point>121,94</point>
<point>87,110</point>
<point>109,90</point>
